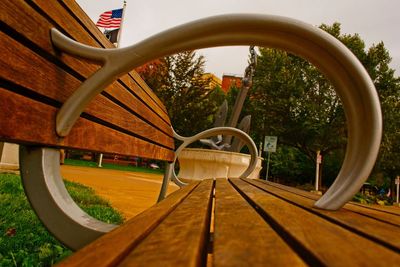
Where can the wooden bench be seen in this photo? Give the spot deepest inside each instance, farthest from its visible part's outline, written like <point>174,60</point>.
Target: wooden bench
<point>248,223</point>
<point>38,79</point>
<point>51,97</point>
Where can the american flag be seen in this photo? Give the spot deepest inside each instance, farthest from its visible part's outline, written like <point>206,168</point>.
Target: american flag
<point>110,19</point>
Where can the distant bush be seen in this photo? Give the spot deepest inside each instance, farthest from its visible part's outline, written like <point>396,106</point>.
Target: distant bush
<point>373,199</point>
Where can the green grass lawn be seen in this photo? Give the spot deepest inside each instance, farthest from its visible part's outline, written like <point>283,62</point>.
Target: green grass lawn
<point>23,239</point>
<point>111,166</point>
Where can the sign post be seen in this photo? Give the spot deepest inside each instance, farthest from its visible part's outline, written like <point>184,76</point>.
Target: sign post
<point>318,162</point>
<point>270,146</point>
<point>397,182</point>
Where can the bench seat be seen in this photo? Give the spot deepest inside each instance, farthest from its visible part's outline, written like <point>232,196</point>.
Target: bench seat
<point>235,222</point>
<point>244,222</point>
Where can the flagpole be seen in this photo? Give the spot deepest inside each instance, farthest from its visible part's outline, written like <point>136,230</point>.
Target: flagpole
<point>118,43</point>
<point>122,23</point>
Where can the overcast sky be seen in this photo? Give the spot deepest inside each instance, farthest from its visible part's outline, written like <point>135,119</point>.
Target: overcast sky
<point>374,20</point>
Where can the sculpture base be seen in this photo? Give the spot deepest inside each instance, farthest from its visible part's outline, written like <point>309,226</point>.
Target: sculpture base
<point>199,164</point>
<point>9,157</point>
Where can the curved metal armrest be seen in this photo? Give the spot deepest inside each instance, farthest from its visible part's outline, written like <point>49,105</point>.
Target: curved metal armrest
<point>348,76</point>
<point>351,81</point>
<point>170,170</point>
<point>45,189</point>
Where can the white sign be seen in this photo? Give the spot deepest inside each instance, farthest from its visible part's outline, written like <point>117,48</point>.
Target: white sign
<point>270,143</point>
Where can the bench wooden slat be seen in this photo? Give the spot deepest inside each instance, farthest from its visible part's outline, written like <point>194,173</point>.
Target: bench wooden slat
<point>136,77</point>
<point>51,81</point>
<point>255,224</point>
<point>74,8</point>
<point>110,249</point>
<point>242,237</point>
<point>182,238</point>
<point>318,240</point>
<point>386,209</point>
<point>85,20</point>
<point>61,16</point>
<point>383,215</point>
<point>31,113</point>
<point>124,106</point>
<point>35,21</point>
<point>378,231</point>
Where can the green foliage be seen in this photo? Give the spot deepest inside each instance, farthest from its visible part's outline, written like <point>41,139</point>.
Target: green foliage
<point>372,199</point>
<point>376,60</point>
<point>298,104</point>
<point>24,241</point>
<point>91,164</point>
<point>290,166</point>
<point>180,83</point>
<point>331,165</point>
<point>291,99</point>
<point>84,195</point>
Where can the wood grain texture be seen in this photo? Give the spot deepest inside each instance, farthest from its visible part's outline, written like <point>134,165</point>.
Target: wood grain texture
<point>69,24</point>
<point>111,248</point>
<point>383,215</point>
<point>378,231</point>
<point>318,240</point>
<point>37,30</point>
<point>23,120</point>
<point>254,226</point>
<point>242,237</point>
<point>386,209</point>
<point>52,81</point>
<point>73,7</point>
<point>136,77</point>
<point>182,238</point>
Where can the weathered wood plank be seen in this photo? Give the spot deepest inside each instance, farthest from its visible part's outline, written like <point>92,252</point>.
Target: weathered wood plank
<point>111,248</point>
<point>50,80</point>
<point>74,8</point>
<point>182,238</point>
<point>385,216</point>
<point>69,24</point>
<point>242,237</point>
<point>387,209</point>
<point>37,30</point>
<point>23,120</point>
<point>319,241</point>
<point>136,77</point>
<point>85,20</point>
<point>377,231</point>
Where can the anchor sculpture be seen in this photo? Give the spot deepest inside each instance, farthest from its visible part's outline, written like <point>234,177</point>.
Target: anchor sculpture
<point>226,143</point>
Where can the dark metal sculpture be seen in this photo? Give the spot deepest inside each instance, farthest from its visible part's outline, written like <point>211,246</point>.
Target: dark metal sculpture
<point>227,142</point>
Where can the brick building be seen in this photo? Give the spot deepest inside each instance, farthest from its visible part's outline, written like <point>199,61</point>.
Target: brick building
<point>231,80</point>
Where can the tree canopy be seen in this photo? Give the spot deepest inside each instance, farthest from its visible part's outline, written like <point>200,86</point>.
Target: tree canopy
<point>180,83</point>
<point>294,101</point>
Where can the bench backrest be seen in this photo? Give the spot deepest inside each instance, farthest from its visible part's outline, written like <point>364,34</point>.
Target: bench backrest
<point>127,118</point>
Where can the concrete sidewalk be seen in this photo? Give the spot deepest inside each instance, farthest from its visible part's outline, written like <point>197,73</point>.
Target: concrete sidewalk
<point>128,192</point>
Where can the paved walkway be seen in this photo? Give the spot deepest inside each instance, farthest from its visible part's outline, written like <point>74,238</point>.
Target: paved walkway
<point>128,192</point>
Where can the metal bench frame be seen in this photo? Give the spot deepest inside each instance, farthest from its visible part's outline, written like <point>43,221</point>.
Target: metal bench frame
<point>40,166</point>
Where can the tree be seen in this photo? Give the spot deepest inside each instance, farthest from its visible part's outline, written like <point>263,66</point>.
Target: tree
<point>297,104</point>
<point>388,87</point>
<point>292,99</point>
<point>180,83</point>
